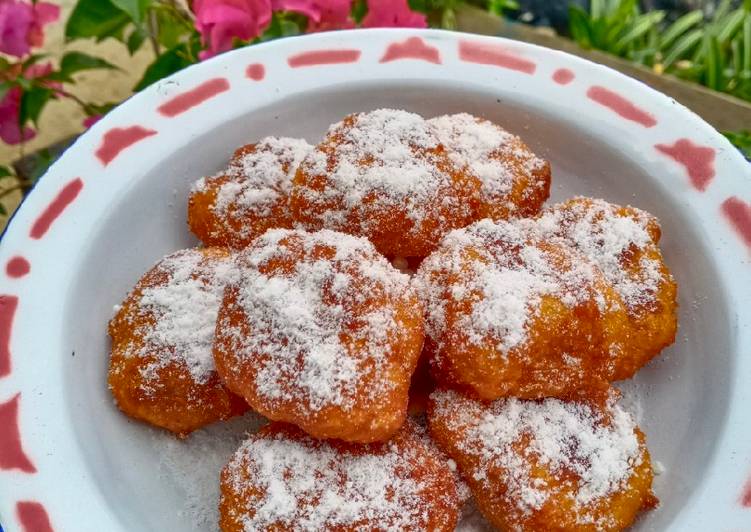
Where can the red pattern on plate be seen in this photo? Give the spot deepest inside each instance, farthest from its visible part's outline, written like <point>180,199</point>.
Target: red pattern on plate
<point>256,71</point>
<point>622,106</point>
<point>412,48</point>
<point>11,452</point>
<point>17,267</point>
<point>698,160</point>
<point>33,517</point>
<point>119,138</point>
<point>738,213</point>
<point>323,57</point>
<point>56,207</point>
<point>196,96</point>
<point>745,499</point>
<point>8,306</point>
<point>489,54</point>
<point>563,76</point>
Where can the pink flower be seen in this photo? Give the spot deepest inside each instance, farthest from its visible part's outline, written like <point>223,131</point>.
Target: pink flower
<point>22,25</point>
<point>392,13</point>
<point>91,120</point>
<point>44,13</point>
<point>222,21</point>
<point>9,113</point>
<point>322,15</point>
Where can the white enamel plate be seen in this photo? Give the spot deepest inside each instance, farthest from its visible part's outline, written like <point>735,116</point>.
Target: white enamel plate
<point>116,202</point>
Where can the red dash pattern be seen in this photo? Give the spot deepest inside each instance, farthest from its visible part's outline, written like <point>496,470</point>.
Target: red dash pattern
<point>56,207</point>
<point>17,267</point>
<point>189,99</point>
<point>698,160</point>
<point>33,517</point>
<point>412,48</point>
<point>738,213</point>
<point>11,452</point>
<point>8,306</point>
<point>256,71</point>
<point>489,54</point>
<point>563,76</point>
<point>620,105</point>
<point>323,57</point>
<point>119,138</point>
<point>745,499</point>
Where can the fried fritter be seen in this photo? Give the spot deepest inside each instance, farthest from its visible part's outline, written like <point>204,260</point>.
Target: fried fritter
<point>547,465</point>
<point>250,196</point>
<point>515,182</point>
<point>385,175</point>
<point>623,243</point>
<point>319,330</point>
<point>508,313</point>
<point>282,479</point>
<point>161,366</point>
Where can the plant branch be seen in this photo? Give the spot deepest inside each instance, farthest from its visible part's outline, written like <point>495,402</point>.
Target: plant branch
<point>153,28</point>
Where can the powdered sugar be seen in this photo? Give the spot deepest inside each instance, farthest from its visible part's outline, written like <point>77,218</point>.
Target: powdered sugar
<point>263,176</point>
<point>310,485</point>
<point>472,142</point>
<point>252,193</point>
<point>598,446</point>
<point>607,237</point>
<point>317,333</point>
<point>184,311</point>
<point>380,162</point>
<point>504,273</point>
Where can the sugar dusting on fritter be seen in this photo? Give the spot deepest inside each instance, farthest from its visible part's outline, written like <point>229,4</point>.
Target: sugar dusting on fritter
<point>312,348</point>
<point>385,161</point>
<point>600,449</point>
<point>493,154</point>
<point>606,237</point>
<point>310,485</point>
<point>183,313</point>
<point>505,279</point>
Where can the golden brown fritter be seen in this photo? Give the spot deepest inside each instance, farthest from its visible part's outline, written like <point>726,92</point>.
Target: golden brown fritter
<point>319,330</point>
<point>385,175</point>
<point>250,196</point>
<point>510,314</point>
<point>623,243</point>
<point>161,366</point>
<point>282,479</point>
<point>515,182</point>
<point>547,465</point>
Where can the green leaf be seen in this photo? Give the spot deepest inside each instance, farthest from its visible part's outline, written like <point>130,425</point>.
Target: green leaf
<point>360,9</point>
<point>135,9</point>
<point>741,140</point>
<point>682,46</point>
<point>578,22</point>
<point>95,18</point>
<point>642,24</point>
<point>168,63</point>
<point>32,103</point>
<point>714,70</point>
<point>73,62</point>
<point>747,43</point>
<point>4,88</point>
<point>135,40</point>
<point>596,9</point>
<point>731,25</point>
<point>32,59</point>
<point>679,27</point>
<point>6,171</point>
<point>2,210</point>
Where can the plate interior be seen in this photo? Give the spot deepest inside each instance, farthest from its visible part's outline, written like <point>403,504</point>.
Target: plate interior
<point>154,482</point>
